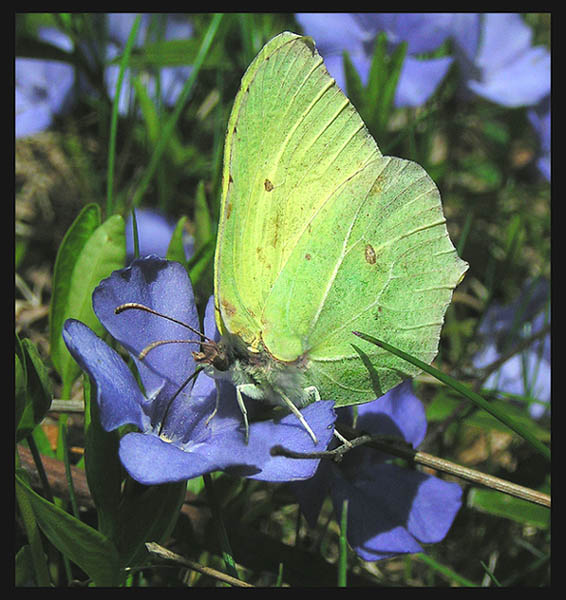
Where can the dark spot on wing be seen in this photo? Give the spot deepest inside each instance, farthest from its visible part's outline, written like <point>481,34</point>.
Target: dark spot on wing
<point>370,255</point>
<point>229,308</point>
<point>267,185</point>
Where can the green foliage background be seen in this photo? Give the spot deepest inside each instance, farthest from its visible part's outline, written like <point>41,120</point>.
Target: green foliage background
<point>481,156</point>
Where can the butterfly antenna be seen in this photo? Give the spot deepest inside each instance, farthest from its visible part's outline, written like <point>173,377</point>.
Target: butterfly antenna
<point>205,341</point>
<point>138,306</point>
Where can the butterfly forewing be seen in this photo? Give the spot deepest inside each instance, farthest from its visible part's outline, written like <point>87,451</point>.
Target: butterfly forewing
<point>292,138</point>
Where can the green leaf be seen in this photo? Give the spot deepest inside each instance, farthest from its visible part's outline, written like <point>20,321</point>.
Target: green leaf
<point>354,84</point>
<point>163,53</point>
<point>378,72</point>
<point>519,416</point>
<point>444,571</point>
<point>36,553</point>
<point>509,507</point>
<point>82,544</point>
<point>147,514</point>
<point>386,101</point>
<point>20,381</point>
<point>70,249</point>
<point>102,466</point>
<point>86,257</point>
<point>24,573</point>
<point>443,405</point>
<point>176,248</point>
<point>199,263</point>
<point>202,218</point>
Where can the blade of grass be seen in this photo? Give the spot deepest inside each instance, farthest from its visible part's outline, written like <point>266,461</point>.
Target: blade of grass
<point>135,235</point>
<point>445,571</point>
<point>462,389</point>
<point>170,124</point>
<point>114,119</point>
<point>222,536</point>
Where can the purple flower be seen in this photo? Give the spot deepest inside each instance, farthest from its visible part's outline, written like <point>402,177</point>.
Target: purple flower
<point>391,510</point>
<point>154,234</point>
<point>177,439</point>
<point>497,59</point>
<point>172,79</point>
<point>540,120</point>
<point>42,86</point>
<point>502,328</point>
<point>356,34</point>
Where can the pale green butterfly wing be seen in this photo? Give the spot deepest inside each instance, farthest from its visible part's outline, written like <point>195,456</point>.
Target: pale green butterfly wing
<point>321,235</point>
<point>289,125</point>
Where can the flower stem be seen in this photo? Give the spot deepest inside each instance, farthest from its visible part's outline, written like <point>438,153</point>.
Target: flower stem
<point>165,554</point>
<point>403,450</point>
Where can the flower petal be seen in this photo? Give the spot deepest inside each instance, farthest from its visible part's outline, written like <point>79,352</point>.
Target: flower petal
<point>398,411</point>
<point>333,32</point>
<point>118,395</point>
<point>264,435</point>
<point>523,82</point>
<point>419,79</point>
<point>163,286</point>
<point>390,508</point>
<point>377,513</point>
<point>154,232</point>
<point>434,507</point>
<point>151,460</point>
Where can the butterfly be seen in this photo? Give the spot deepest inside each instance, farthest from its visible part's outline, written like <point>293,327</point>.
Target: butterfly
<point>320,235</point>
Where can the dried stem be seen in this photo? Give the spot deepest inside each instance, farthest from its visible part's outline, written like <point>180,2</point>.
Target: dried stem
<point>398,447</point>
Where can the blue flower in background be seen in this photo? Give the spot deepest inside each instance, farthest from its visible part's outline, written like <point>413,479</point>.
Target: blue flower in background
<point>154,234</point>
<point>503,327</point>
<point>497,58</point>
<point>539,118</point>
<point>356,34</point>
<point>171,80</point>
<point>43,87</point>
<point>391,510</point>
<point>176,438</point>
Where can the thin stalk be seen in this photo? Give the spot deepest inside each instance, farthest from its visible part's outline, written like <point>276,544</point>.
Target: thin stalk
<point>221,534</point>
<point>163,553</point>
<point>343,546</point>
<point>114,119</point>
<point>40,470</point>
<point>69,477</point>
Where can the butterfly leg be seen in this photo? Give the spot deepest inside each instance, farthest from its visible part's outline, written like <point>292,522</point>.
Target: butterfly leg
<point>299,416</point>
<point>209,418</point>
<point>243,387</point>
<point>312,390</point>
